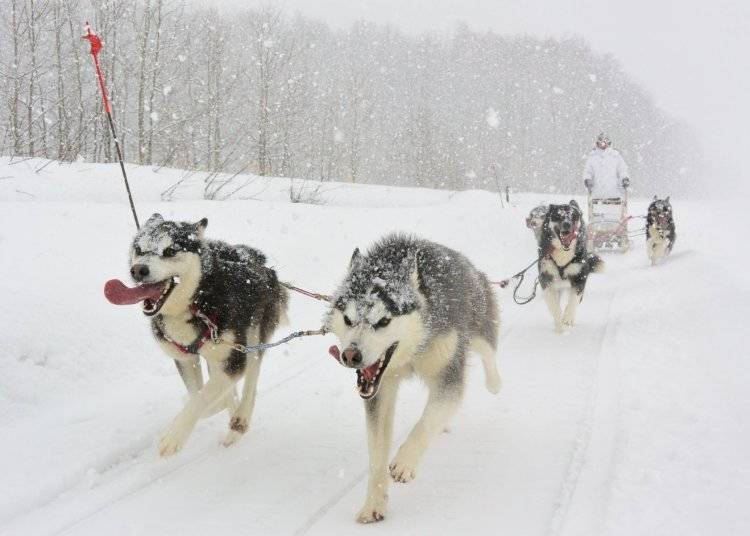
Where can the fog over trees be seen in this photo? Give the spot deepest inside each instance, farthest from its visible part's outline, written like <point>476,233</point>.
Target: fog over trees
<point>273,93</point>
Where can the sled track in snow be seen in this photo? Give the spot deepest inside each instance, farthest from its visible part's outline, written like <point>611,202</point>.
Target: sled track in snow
<point>323,510</point>
<point>134,454</point>
<point>586,427</point>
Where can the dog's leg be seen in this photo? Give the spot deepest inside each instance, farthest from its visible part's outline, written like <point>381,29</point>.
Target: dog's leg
<point>491,376</point>
<point>446,392</point>
<point>650,249</point>
<point>552,298</point>
<point>191,373</point>
<point>379,412</point>
<point>662,249</point>
<point>213,392</point>
<point>229,402</point>
<point>240,419</point>
<point>569,318</point>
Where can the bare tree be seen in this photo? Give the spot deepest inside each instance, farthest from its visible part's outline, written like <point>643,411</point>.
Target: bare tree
<point>255,89</point>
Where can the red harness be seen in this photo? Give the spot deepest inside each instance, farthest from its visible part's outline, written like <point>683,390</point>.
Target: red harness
<point>211,333</point>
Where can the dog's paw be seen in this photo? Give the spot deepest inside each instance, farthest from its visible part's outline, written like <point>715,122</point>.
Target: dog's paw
<point>569,321</point>
<point>402,469</point>
<point>231,438</point>
<point>172,442</point>
<point>373,511</point>
<point>493,383</point>
<point>238,426</point>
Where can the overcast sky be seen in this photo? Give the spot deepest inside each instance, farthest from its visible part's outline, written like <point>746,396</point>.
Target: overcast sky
<point>691,55</point>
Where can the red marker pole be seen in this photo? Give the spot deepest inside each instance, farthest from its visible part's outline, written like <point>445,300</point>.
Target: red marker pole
<point>96,47</point>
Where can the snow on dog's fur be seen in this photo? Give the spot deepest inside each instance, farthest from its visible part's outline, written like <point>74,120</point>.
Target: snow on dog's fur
<point>184,279</point>
<point>564,263</point>
<point>410,307</point>
<point>660,230</point>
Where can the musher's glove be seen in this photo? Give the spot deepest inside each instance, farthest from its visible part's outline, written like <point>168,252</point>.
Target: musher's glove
<point>626,182</point>
<point>589,184</point>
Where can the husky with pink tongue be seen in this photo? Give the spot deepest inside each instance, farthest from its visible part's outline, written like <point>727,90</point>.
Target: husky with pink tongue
<point>203,296</point>
<point>564,262</point>
<point>410,307</point>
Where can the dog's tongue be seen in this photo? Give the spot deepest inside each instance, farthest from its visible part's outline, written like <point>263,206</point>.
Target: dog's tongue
<point>567,239</point>
<point>370,372</point>
<point>334,351</point>
<point>118,293</point>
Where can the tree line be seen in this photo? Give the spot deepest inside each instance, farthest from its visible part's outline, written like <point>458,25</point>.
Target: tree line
<point>267,92</point>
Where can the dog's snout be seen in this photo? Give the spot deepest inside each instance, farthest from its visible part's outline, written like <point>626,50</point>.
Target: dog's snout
<point>352,357</point>
<point>139,271</point>
<point>566,226</point>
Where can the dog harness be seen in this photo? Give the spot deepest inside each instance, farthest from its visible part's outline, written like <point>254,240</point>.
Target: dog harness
<point>210,333</point>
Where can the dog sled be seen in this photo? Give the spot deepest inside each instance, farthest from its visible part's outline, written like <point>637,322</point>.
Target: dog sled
<point>608,223</point>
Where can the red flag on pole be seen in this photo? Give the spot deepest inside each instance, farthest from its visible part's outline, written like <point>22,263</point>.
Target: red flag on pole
<point>96,47</point>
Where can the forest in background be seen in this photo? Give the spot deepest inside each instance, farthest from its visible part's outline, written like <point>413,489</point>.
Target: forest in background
<point>273,93</point>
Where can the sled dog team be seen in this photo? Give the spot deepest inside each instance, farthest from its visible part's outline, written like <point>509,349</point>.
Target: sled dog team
<point>407,307</point>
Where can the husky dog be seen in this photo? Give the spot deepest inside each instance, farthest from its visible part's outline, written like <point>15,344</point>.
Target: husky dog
<point>410,307</point>
<point>564,262</point>
<point>203,296</point>
<point>535,220</point>
<point>660,230</point>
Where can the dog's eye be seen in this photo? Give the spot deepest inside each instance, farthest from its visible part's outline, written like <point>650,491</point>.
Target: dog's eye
<point>347,321</point>
<point>169,252</point>
<point>383,322</point>
<point>137,251</point>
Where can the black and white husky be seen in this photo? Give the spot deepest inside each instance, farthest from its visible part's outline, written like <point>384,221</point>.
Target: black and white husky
<point>660,230</point>
<point>203,296</point>
<point>410,307</point>
<point>564,263</point>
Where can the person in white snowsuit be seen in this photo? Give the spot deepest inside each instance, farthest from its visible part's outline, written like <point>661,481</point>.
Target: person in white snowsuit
<point>606,173</point>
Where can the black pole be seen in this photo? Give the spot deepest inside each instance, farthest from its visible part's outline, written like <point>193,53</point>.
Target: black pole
<point>96,47</point>
<point>122,167</point>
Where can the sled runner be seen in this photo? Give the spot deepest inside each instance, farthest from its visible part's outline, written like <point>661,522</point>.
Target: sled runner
<point>608,223</point>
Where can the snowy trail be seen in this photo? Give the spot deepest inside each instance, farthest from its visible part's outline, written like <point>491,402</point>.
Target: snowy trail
<point>444,485</point>
<point>631,424</point>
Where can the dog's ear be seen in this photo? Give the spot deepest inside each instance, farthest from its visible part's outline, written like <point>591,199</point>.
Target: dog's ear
<point>356,259</point>
<point>574,203</point>
<point>667,200</point>
<point>656,197</point>
<point>155,219</point>
<point>200,227</point>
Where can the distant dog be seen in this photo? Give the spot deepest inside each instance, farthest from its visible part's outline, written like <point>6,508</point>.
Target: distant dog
<point>535,220</point>
<point>199,292</point>
<point>564,263</point>
<point>660,230</point>
<point>410,307</point>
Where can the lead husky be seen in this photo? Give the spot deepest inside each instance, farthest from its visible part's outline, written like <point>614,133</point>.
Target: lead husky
<point>564,262</point>
<point>660,230</point>
<point>410,307</point>
<point>196,292</point>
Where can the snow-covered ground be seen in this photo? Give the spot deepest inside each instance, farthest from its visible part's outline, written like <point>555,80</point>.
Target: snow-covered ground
<point>633,423</point>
